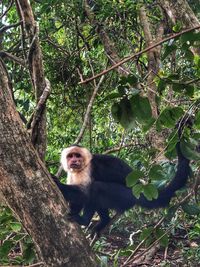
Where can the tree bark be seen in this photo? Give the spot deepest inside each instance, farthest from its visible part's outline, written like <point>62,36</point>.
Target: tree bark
<point>153,55</point>
<point>35,65</point>
<point>32,195</point>
<point>180,11</point>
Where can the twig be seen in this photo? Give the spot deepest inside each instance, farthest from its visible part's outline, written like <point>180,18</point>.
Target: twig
<point>115,149</point>
<point>113,219</point>
<point>6,27</point>
<point>88,111</point>
<point>130,258</point>
<point>138,54</point>
<point>6,11</point>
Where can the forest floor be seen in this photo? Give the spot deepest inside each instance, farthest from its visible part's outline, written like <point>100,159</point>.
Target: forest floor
<point>117,249</point>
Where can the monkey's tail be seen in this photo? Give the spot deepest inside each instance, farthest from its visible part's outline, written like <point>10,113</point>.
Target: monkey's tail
<point>179,181</point>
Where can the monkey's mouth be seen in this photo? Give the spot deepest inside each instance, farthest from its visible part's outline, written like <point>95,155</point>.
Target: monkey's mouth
<point>75,166</point>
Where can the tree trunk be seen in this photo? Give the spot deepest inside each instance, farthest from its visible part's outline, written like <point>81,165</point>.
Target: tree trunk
<point>32,195</point>
<point>36,70</point>
<point>153,55</point>
<point>180,11</point>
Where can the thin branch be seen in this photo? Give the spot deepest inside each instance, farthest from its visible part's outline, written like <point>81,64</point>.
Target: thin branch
<point>12,57</point>
<point>116,149</point>
<point>138,54</point>
<point>60,48</point>
<point>131,257</point>
<point>6,27</point>
<point>6,11</point>
<point>88,111</point>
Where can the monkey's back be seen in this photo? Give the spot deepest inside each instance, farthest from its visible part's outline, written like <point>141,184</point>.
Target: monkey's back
<point>107,168</point>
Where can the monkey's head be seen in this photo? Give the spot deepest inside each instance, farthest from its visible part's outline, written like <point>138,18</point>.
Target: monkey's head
<point>75,158</point>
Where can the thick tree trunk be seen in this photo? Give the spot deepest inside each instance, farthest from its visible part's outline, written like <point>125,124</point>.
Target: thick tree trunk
<point>32,195</point>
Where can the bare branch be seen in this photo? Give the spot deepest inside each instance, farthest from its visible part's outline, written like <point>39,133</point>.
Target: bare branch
<point>6,27</point>
<point>138,54</point>
<point>115,149</point>
<point>12,57</point>
<point>88,111</point>
<point>6,11</point>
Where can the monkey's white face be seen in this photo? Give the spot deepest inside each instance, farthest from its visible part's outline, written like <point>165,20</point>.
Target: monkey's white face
<point>75,161</point>
<point>75,158</point>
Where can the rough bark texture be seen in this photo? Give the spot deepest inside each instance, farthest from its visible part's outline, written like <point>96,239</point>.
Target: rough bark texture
<point>180,11</point>
<point>32,195</point>
<point>153,56</point>
<point>35,65</point>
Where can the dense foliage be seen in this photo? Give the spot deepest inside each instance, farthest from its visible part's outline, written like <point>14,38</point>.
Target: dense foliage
<point>125,118</point>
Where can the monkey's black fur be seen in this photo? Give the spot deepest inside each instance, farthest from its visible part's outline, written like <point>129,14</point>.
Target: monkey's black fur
<point>104,195</point>
<point>107,168</point>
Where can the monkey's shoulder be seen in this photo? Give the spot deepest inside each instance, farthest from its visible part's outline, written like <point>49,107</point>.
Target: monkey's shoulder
<point>109,168</point>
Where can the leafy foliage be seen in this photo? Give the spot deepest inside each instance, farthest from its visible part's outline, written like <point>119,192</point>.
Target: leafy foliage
<point>123,112</point>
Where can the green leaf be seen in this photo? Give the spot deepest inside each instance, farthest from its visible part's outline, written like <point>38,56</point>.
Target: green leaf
<point>137,190</point>
<point>133,177</point>
<point>169,49</point>
<point>190,36</point>
<point>164,240</point>
<point>171,146</point>
<point>156,172</point>
<point>131,79</point>
<point>188,149</point>
<point>5,248</point>
<point>111,96</point>
<point>150,192</point>
<point>146,233</point>
<point>161,85</point>
<point>197,120</point>
<point>16,227</point>
<point>169,117</point>
<point>127,118</point>
<point>116,112</point>
<point>191,209</point>
<point>177,27</point>
<point>148,124</point>
<point>178,87</point>
<point>141,108</point>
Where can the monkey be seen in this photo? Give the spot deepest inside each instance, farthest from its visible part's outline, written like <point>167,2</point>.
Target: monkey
<point>102,196</point>
<point>83,168</point>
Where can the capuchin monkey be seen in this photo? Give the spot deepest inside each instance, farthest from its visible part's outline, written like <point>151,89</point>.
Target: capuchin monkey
<point>92,194</point>
<point>83,168</point>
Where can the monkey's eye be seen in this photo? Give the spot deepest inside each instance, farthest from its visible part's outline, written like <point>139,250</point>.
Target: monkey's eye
<point>77,155</point>
<point>71,155</point>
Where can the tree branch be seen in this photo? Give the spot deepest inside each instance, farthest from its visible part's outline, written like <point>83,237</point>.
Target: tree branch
<point>138,54</point>
<point>6,27</point>
<point>6,11</point>
<point>39,109</point>
<point>88,111</point>
<point>14,58</point>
